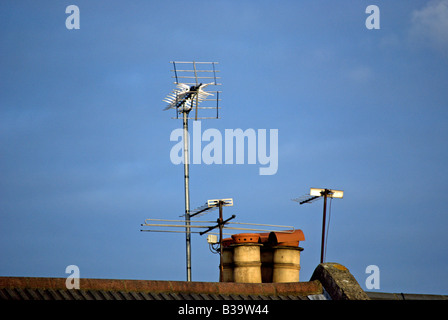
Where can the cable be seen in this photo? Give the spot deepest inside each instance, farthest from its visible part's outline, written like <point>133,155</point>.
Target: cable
<point>212,248</point>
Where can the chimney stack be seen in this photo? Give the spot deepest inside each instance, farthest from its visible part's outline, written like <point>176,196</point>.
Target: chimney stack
<point>262,257</point>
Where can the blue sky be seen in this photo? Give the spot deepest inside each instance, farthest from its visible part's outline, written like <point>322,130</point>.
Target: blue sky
<point>85,148</point>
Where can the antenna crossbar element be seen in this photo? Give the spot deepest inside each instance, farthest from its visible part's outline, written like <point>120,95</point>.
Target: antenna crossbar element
<point>197,62</point>
<point>288,229</point>
<point>217,202</point>
<point>181,231</point>
<point>201,210</point>
<point>210,223</point>
<point>219,225</point>
<point>178,70</point>
<point>192,70</point>
<point>193,77</point>
<point>306,199</point>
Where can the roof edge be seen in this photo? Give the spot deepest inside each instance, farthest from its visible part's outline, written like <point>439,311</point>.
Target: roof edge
<point>158,286</point>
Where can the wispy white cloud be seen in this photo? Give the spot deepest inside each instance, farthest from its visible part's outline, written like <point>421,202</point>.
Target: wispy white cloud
<point>360,74</point>
<point>430,25</point>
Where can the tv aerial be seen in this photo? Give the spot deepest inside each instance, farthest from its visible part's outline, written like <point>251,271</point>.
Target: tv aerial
<point>193,80</point>
<point>210,225</point>
<point>316,194</point>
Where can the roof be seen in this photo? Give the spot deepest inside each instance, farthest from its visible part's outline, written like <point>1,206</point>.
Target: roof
<point>171,299</point>
<point>330,281</point>
<point>405,296</point>
<point>26,288</point>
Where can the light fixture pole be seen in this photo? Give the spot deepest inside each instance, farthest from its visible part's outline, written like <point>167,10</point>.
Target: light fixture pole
<point>220,222</point>
<point>324,193</point>
<point>317,193</point>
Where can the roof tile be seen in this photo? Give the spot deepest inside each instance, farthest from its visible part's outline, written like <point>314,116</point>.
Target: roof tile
<point>54,294</point>
<point>86,295</point>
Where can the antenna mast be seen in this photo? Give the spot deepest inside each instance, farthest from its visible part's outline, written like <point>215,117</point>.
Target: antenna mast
<point>183,99</point>
<point>314,195</point>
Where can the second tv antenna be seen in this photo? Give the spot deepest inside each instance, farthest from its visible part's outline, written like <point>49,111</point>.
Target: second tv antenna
<point>208,226</point>
<point>192,78</point>
<point>316,194</point>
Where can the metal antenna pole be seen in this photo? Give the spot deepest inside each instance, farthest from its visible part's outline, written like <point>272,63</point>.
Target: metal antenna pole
<point>325,194</point>
<point>187,195</point>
